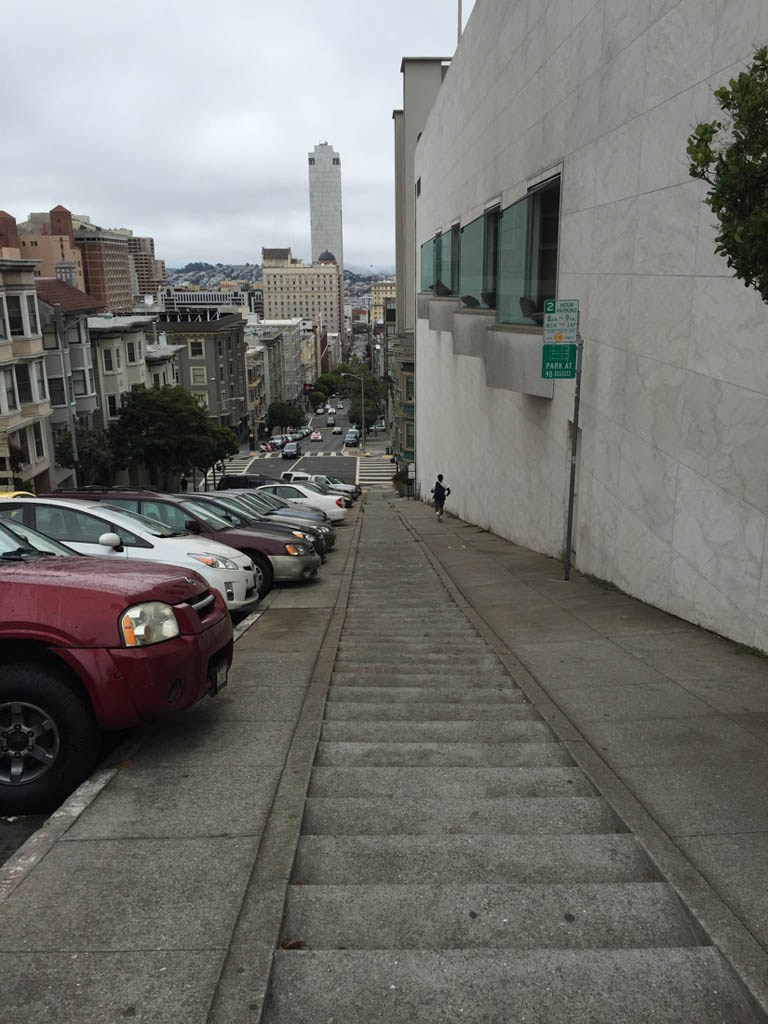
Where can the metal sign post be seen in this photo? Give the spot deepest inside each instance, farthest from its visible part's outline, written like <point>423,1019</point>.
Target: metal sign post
<point>561,359</point>
<point>574,444</point>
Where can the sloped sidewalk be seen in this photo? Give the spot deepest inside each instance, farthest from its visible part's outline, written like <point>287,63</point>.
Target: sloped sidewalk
<point>669,720</point>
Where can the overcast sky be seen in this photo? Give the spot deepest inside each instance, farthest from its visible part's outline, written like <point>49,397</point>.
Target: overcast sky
<point>191,122</point>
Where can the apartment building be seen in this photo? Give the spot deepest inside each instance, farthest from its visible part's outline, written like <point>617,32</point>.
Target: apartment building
<point>553,165</point>
<point>325,214</point>
<point>380,292</point>
<point>150,271</point>
<point>119,350</point>
<point>294,289</point>
<point>108,268</point>
<point>49,240</point>
<point>25,459</point>
<point>64,313</point>
<point>257,371</point>
<point>283,342</point>
<point>211,363</point>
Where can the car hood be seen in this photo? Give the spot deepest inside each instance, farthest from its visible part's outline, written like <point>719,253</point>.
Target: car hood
<point>76,602</point>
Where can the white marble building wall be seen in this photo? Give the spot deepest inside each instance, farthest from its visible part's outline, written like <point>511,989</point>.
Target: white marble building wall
<point>673,473</point>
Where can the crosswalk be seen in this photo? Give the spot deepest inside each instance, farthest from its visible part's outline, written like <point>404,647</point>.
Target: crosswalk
<point>305,455</point>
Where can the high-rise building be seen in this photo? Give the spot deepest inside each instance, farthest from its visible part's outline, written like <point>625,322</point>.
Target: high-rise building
<point>110,276</point>
<point>325,203</point>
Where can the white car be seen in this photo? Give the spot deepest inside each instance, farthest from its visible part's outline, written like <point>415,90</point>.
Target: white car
<point>93,528</point>
<point>307,494</point>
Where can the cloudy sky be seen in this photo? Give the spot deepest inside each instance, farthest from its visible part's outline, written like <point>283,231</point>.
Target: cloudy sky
<point>191,122</point>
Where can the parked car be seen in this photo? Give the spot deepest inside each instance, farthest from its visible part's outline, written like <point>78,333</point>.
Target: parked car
<point>238,514</point>
<point>316,436</point>
<point>307,494</point>
<point>352,440</point>
<point>335,484</point>
<point>292,450</point>
<point>320,410</point>
<point>274,560</point>
<point>93,528</point>
<point>85,648</point>
<point>284,511</point>
<point>298,476</point>
<point>238,480</point>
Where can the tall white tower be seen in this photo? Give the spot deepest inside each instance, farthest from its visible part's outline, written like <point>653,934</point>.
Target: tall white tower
<point>325,203</point>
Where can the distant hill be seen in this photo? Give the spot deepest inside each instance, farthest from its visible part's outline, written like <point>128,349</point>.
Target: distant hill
<point>209,275</point>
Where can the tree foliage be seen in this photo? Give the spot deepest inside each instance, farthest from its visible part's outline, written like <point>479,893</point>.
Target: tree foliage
<point>95,463</point>
<point>732,157</point>
<point>282,415</point>
<point>167,431</point>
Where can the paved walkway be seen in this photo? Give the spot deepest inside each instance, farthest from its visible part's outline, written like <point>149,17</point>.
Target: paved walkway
<point>157,893</point>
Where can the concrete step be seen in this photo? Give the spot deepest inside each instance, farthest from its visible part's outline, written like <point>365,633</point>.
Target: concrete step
<point>633,986</point>
<point>437,732</point>
<point>393,711</point>
<point>505,692</point>
<point>451,783</point>
<point>482,678</point>
<point>371,660</point>
<point>349,816</point>
<point>460,860</point>
<point>398,648</point>
<point>459,755</point>
<point>609,915</point>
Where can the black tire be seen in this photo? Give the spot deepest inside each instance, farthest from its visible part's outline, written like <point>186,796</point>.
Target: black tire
<point>265,574</point>
<point>49,737</point>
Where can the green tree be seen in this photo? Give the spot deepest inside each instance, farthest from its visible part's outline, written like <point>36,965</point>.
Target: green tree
<point>95,463</point>
<point>282,415</point>
<point>317,398</point>
<point>732,157</point>
<point>166,430</point>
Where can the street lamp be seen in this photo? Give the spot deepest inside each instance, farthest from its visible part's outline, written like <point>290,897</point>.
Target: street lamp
<point>362,396</point>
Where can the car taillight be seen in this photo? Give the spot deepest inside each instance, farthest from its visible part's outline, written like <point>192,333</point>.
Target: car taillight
<point>340,503</point>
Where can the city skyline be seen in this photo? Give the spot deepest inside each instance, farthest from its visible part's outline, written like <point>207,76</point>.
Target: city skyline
<point>204,149</point>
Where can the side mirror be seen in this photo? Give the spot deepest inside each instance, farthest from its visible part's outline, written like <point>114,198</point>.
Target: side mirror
<point>111,540</point>
<point>192,525</point>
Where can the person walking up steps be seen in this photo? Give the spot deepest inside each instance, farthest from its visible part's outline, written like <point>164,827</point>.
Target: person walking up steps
<point>440,492</point>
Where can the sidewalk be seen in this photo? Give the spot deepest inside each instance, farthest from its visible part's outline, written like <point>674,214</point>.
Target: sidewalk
<point>670,721</point>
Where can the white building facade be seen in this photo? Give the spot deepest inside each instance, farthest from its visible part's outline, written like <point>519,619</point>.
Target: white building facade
<point>553,165</point>
<point>324,165</point>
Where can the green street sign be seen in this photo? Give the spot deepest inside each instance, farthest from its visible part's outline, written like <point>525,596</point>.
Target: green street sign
<point>558,362</point>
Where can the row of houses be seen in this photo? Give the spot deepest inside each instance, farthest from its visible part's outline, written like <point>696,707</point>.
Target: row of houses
<point>64,361</point>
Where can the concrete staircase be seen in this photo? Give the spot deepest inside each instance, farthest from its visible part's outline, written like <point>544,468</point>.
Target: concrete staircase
<point>454,865</point>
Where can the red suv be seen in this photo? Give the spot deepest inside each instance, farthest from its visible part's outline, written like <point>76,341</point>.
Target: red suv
<point>87,646</point>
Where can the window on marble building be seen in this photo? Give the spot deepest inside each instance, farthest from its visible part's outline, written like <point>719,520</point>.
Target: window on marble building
<point>527,255</point>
